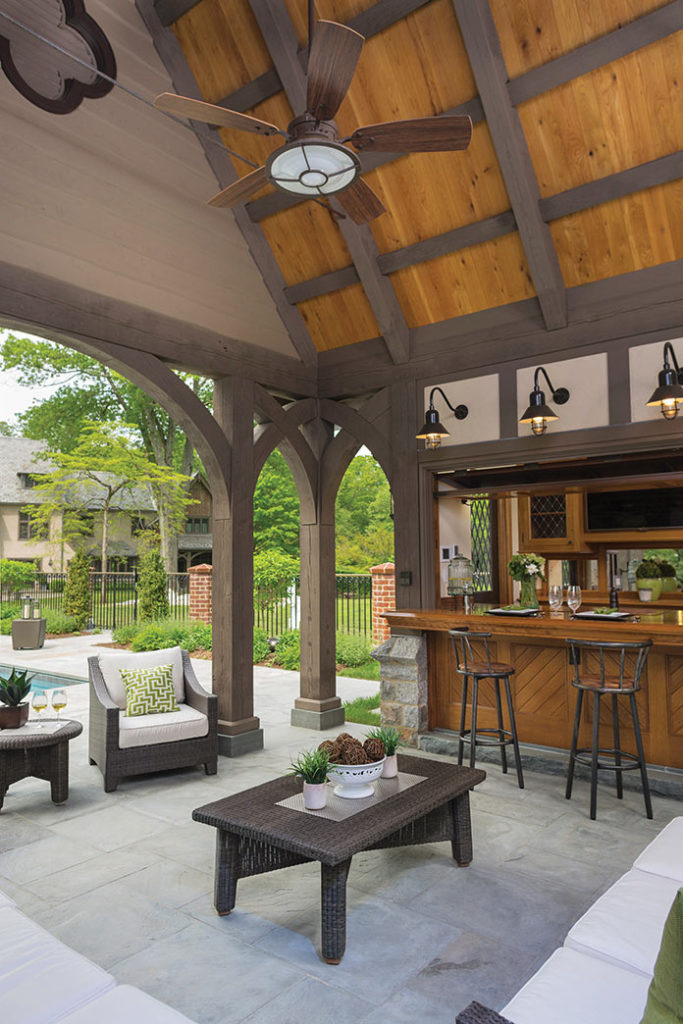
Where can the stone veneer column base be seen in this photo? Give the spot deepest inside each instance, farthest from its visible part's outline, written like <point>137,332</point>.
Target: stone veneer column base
<point>240,743</point>
<point>403,684</point>
<point>320,720</point>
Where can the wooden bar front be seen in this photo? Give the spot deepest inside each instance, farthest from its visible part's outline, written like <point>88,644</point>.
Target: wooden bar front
<point>544,699</point>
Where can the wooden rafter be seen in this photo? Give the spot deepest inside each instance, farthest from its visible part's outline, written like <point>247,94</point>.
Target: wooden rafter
<point>280,38</point>
<point>170,10</point>
<point>184,82</point>
<point>483,49</point>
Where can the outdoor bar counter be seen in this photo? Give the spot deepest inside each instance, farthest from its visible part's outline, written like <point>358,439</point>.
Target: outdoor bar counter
<point>544,700</point>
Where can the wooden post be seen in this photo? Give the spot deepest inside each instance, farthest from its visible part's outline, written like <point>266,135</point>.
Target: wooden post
<point>233,572</point>
<point>318,706</point>
<point>405,492</point>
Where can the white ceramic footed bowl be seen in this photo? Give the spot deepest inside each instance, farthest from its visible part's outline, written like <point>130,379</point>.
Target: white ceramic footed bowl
<point>355,780</point>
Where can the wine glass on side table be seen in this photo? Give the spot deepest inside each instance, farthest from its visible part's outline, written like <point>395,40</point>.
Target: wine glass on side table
<point>555,597</point>
<point>574,598</point>
<point>39,703</point>
<point>58,701</point>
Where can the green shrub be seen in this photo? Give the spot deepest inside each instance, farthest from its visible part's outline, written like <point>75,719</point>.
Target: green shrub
<point>152,588</point>
<point>351,649</point>
<point>10,610</point>
<point>261,645</point>
<point>15,576</point>
<point>288,651</point>
<point>60,622</point>
<point>151,638</point>
<point>77,589</point>
<point>124,634</point>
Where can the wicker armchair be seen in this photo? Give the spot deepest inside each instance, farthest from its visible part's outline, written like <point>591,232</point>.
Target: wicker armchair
<point>475,1013</point>
<point>116,762</point>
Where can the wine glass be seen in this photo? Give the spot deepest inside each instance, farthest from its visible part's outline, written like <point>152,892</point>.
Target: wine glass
<point>58,701</point>
<point>574,598</point>
<point>555,597</point>
<point>39,703</point>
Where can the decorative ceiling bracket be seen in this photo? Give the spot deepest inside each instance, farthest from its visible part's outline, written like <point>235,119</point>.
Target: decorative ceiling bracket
<point>46,76</point>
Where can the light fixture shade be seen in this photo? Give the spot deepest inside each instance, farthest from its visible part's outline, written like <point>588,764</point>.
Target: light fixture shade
<point>668,389</point>
<point>537,409</point>
<point>312,168</point>
<point>432,427</point>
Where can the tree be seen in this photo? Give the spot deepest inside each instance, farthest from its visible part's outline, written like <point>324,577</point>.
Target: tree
<point>104,468</point>
<point>152,588</point>
<point>276,508</point>
<point>15,576</point>
<point>88,390</point>
<point>77,590</point>
<point>365,530</point>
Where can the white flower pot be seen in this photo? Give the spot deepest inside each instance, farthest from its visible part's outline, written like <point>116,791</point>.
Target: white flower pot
<point>390,770</point>
<point>315,795</point>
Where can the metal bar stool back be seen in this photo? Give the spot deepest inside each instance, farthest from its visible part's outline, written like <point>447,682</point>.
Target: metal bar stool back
<point>474,663</point>
<point>613,669</point>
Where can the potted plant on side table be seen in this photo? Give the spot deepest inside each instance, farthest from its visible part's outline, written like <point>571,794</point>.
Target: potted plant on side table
<point>667,573</point>
<point>391,740</point>
<point>312,767</point>
<point>13,709</point>
<point>649,580</point>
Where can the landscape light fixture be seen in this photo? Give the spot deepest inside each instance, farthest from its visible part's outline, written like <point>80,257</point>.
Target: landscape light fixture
<point>539,414</point>
<point>669,390</point>
<point>433,430</point>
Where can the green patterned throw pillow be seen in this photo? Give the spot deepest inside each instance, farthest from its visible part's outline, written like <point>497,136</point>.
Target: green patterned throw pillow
<point>665,997</point>
<point>149,691</point>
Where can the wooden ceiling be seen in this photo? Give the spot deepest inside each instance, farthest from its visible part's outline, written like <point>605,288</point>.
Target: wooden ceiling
<point>573,174</point>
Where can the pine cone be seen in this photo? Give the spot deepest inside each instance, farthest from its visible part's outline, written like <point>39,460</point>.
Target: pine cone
<point>353,753</point>
<point>343,736</point>
<point>329,746</point>
<point>374,748</point>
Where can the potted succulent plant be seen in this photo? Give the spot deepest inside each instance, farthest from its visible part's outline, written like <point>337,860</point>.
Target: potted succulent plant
<point>668,576</point>
<point>13,709</point>
<point>648,578</point>
<point>312,766</point>
<point>391,739</point>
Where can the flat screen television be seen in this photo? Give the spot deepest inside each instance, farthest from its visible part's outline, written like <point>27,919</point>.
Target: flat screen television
<point>635,510</point>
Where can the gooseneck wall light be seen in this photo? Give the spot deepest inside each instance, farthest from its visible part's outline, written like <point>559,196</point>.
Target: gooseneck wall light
<point>539,414</point>
<point>669,390</point>
<point>433,430</point>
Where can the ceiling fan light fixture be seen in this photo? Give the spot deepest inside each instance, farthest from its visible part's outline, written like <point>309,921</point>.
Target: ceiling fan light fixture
<point>312,168</point>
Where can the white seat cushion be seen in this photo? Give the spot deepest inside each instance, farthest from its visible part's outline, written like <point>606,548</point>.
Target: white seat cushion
<point>41,979</point>
<point>167,727</point>
<point>110,664</point>
<point>664,855</point>
<point>625,925</point>
<point>571,988</point>
<point>126,1005</point>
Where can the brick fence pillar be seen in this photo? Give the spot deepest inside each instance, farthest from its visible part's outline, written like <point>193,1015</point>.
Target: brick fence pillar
<point>200,592</point>
<point>383,599</point>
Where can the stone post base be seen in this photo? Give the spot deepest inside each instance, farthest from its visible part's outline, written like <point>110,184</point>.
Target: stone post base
<point>233,745</point>
<point>317,714</point>
<point>403,685</point>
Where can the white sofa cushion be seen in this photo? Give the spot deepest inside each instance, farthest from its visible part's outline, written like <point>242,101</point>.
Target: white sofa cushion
<point>5,901</point>
<point>168,727</point>
<point>664,855</point>
<point>625,925</point>
<point>111,663</point>
<point>571,988</point>
<point>41,979</point>
<point>126,1005</point>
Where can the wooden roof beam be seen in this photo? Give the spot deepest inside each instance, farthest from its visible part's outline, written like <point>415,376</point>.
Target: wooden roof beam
<point>486,58</point>
<point>641,32</point>
<point>170,10</point>
<point>280,38</point>
<point>168,48</point>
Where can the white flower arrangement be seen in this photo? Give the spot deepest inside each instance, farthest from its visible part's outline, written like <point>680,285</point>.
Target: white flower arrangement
<point>521,566</point>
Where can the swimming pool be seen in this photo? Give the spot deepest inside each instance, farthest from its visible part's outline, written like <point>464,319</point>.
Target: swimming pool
<point>43,680</point>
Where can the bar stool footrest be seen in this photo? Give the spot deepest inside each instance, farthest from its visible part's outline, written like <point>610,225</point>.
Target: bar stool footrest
<point>487,737</point>
<point>583,756</point>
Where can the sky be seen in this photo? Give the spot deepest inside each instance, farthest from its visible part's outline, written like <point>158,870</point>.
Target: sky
<point>13,398</point>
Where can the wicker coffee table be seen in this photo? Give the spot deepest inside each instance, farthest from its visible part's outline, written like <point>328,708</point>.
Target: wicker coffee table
<point>41,753</point>
<point>256,835</point>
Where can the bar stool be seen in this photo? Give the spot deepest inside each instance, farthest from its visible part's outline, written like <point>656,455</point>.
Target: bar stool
<point>624,682</point>
<point>470,667</point>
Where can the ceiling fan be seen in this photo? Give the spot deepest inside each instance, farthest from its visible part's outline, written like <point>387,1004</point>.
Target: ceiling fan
<point>313,161</point>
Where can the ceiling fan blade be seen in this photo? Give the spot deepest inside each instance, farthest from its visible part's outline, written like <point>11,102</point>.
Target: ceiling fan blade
<point>335,52</point>
<point>360,202</point>
<point>209,113</point>
<point>240,190</point>
<point>419,135</point>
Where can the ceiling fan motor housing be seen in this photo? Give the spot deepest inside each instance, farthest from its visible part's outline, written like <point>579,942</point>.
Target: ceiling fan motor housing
<point>312,161</point>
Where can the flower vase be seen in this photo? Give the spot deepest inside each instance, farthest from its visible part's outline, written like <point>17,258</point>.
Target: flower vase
<point>528,597</point>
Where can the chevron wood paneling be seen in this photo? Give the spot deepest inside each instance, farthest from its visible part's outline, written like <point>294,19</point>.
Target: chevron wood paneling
<point>674,674</point>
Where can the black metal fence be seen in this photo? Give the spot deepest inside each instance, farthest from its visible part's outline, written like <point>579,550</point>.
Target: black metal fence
<point>113,596</point>
<point>278,610</point>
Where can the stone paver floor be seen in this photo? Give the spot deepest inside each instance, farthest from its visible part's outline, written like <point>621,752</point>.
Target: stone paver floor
<point>126,878</point>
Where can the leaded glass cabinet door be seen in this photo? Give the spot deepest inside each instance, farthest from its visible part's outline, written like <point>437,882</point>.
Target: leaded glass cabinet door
<point>551,522</point>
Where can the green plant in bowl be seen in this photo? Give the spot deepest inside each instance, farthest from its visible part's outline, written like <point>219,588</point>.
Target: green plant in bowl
<point>389,736</point>
<point>13,689</point>
<point>649,577</point>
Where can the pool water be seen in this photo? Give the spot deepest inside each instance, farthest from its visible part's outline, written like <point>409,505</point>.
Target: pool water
<point>43,680</point>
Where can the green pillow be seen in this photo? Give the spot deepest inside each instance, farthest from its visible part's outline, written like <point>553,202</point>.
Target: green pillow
<point>149,691</point>
<point>665,996</point>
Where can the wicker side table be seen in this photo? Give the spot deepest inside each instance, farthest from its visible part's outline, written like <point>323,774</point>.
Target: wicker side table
<point>42,755</point>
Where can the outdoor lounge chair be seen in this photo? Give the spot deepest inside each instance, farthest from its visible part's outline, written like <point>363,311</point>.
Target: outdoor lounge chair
<point>122,746</point>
